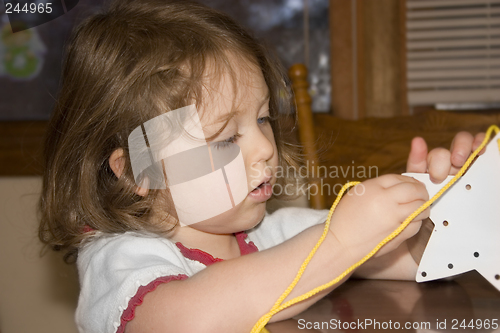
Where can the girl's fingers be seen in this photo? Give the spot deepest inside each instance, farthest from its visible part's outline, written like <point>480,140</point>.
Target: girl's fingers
<point>422,216</point>
<point>406,209</point>
<point>417,160</point>
<point>411,230</point>
<point>439,164</point>
<point>461,147</point>
<point>407,192</point>
<point>478,139</point>
<point>387,181</point>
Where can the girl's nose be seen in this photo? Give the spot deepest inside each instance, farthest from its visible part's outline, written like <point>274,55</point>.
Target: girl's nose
<point>262,145</point>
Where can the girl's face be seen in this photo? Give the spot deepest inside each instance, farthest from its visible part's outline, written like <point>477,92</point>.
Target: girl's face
<point>244,99</point>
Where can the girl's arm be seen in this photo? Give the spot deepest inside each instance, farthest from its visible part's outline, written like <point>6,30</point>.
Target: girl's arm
<point>231,296</point>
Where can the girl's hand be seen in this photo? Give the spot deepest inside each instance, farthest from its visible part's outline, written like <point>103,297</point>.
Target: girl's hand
<point>370,211</point>
<point>440,162</point>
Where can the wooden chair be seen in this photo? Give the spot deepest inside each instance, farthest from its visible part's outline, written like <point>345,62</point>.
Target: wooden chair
<point>307,137</point>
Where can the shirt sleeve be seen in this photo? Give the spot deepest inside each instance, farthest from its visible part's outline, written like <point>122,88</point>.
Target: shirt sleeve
<point>115,274</point>
<point>284,224</point>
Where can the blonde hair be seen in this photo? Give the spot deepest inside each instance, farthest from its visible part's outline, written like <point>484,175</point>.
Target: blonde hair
<point>122,68</point>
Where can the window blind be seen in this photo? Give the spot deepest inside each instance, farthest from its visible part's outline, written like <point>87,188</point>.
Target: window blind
<point>453,53</point>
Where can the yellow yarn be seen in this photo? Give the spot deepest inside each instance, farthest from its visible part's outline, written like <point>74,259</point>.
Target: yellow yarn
<point>277,307</point>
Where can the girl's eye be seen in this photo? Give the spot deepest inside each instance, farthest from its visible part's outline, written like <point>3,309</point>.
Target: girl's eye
<point>263,120</point>
<point>225,143</point>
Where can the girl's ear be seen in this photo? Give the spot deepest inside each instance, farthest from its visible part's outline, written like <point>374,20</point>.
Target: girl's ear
<point>117,164</point>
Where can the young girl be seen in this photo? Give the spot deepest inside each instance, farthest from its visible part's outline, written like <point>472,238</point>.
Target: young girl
<point>140,270</point>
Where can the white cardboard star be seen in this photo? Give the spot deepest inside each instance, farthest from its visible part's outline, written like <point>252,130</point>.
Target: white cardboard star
<point>466,218</point>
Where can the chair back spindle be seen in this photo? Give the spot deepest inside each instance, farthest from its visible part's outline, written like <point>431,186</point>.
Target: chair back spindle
<point>298,75</point>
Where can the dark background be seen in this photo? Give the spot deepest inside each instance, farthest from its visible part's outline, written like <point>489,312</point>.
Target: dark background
<point>278,22</point>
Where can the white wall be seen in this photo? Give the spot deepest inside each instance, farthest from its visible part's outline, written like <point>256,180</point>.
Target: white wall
<point>37,294</point>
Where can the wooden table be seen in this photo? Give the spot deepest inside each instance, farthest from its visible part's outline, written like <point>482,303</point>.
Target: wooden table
<point>383,306</point>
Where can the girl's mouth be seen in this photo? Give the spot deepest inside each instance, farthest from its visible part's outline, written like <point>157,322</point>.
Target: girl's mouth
<point>262,192</point>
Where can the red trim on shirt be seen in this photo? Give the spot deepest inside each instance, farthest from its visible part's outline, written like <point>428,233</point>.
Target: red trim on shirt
<point>207,259</point>
<point>245,248</point>
<point>129,313</point>
<point>198,255</point>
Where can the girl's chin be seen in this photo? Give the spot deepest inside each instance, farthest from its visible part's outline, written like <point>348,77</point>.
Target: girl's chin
<point>234,220</point>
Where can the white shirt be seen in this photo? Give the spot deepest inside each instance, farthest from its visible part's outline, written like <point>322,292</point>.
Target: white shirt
<point>116,271</point>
